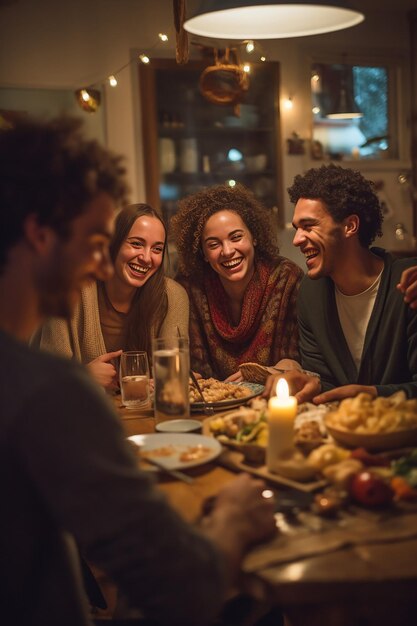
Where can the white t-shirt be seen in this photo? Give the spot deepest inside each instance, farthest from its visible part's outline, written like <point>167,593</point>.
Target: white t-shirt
<point>354,314</point>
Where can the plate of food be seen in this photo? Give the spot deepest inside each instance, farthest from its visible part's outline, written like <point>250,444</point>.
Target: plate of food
<point>244,429</point>
<point>220,395</point>
<point>376,424</point>
<point>175,450</point>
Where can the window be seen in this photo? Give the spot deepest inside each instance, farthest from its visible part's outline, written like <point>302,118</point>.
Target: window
<point>353,111</point>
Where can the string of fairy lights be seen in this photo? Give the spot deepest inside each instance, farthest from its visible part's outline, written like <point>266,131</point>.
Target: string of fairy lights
<point>89,98</point>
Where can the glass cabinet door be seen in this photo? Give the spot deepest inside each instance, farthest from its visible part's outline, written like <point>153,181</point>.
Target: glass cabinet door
<point>191,143</point>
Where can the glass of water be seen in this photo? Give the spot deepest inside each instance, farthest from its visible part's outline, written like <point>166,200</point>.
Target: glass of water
<point>171,367</point>
<point>134,379</point>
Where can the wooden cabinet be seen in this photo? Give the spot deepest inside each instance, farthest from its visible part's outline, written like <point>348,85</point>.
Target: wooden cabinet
<point>190,143</point>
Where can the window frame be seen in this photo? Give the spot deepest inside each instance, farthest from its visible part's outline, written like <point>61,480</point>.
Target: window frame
<point>398,97</point>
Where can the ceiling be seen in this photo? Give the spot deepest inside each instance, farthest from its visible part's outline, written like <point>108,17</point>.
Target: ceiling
<point>385,5</point>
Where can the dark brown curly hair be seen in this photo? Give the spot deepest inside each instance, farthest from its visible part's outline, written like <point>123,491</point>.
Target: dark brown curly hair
<point>194,211</point>
<point>344,192</point>
<point>51,169</point>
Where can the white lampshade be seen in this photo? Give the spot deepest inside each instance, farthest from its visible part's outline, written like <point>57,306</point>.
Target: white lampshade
<point>269,19</point>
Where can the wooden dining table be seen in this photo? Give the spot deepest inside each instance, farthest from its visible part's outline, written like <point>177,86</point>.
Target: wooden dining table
<point>367,584</point>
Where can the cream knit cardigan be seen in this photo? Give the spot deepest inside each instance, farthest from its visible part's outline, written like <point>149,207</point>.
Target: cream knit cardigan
<point>81,338</point>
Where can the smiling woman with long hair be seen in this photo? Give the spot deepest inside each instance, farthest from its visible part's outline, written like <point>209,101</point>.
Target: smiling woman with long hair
<point>136,304</point>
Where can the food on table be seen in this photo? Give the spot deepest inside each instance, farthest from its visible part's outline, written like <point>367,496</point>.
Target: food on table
<point>293,464</point>
<point>368,459</point>
<point>158,453</point>
<point>245,429</point>
<point>327,454</point>
<point>370,489</point>
<point>245,425</point>
<point>173,393</point>
<point>340,474</point>
<point>185,455</point>
<point>218,391</point>
<point>193,453</point>
<point>366,415</point>
<point>308,436</point>
<point>402,489</point>
<point>404,481</point>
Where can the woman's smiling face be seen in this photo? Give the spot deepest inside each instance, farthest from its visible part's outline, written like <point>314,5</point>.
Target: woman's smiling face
<point>228,246</point>
<point>141,254</point>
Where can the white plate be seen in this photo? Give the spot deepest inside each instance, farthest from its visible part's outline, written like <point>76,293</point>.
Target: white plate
<point>180,443</point>
<point>255,388</point>
<point>179,426</point>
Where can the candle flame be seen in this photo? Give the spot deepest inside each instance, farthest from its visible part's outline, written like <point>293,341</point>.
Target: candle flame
<point>282,389</point>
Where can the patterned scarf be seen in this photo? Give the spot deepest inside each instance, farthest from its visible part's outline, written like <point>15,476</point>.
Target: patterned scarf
<point>267,330</point>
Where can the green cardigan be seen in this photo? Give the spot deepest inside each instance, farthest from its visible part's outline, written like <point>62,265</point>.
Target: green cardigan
<point>389,359</point>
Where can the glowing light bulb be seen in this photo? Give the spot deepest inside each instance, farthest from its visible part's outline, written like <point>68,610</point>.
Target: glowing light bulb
<point>145,59</point>
<point>112,81</point>
<point>250,46</point>
<point>288,104</point>
<point>263,58</point>
<point>85,95</point>
<point>231,182</point>
<point>163,37</point>
<point>246,68</point>
<point>316,110</point>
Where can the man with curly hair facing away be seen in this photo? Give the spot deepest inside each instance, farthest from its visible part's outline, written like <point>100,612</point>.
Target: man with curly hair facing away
<point>242,292</point>
<point>356,331</point>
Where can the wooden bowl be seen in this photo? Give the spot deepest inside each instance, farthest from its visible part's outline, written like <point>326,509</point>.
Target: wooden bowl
<point>372,442</point>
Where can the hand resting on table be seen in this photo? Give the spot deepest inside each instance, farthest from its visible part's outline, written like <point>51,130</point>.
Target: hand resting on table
<point>240,517</point>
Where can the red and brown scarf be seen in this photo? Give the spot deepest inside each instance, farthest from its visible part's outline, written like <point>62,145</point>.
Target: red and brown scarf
<point>267,330</point>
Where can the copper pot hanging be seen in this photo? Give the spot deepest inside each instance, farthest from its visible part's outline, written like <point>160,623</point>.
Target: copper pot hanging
<point>225,82</point>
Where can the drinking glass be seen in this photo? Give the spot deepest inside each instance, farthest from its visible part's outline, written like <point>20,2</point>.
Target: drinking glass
<point>171,366</point>
<point>134,379</point>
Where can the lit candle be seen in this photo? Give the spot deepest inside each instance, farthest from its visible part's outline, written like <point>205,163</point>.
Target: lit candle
<point>282,410</point>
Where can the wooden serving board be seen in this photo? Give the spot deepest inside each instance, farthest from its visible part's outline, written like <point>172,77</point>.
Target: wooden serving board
<point>236,461</point>
<point>250,458</point>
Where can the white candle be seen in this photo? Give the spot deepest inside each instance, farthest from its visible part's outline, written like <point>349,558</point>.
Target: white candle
<point>282,410</point>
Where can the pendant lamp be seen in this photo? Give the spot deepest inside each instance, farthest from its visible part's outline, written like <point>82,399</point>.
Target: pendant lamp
<point>345,106</point>
<point>269,19</point>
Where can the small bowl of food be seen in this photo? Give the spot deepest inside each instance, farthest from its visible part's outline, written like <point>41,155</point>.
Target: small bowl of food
<point>244,430</point>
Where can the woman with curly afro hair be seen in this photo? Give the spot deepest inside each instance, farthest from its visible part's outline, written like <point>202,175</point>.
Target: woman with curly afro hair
<point>242,292</point>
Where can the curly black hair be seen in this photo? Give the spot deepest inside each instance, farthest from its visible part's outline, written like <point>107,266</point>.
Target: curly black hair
<point>344,192</point>
<point>50,169</point>
<point>194,211</point>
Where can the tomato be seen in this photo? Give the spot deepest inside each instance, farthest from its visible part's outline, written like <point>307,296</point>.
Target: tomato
<point>370,490</point>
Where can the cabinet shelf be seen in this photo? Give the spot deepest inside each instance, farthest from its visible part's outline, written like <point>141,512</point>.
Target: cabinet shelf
<point>177,120</point>
<point>163,131</point>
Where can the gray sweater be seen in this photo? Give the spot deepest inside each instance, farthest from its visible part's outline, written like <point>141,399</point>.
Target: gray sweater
<point>66,470</point>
